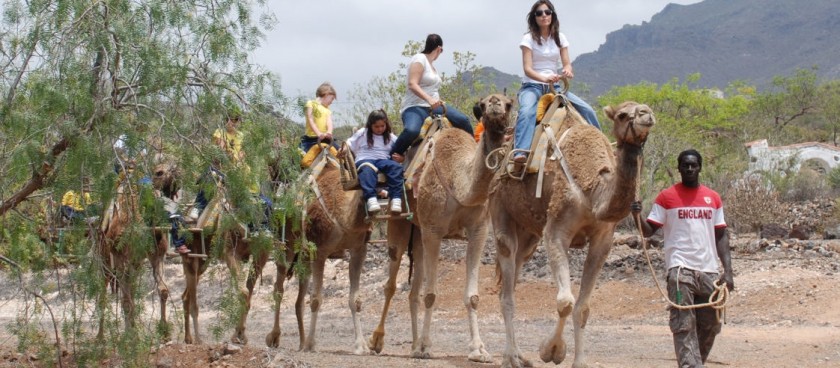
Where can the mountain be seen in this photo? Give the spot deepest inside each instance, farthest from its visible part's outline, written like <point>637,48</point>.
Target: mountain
<point>723,40</point>
<point>491,76</point>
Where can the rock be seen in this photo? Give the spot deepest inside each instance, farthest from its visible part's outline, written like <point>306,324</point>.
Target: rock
<point>231,349</point>
<point>801,232</point>
<point>773,231</point>
<point>832,232</point>
<point>165,362</point>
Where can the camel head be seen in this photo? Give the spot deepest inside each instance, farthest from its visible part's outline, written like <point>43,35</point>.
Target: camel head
<point>496,112</point>
<point>631,122</point>
<point>166,176</point>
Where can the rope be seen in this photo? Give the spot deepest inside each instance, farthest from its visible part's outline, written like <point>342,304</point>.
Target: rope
<point>718,297</point>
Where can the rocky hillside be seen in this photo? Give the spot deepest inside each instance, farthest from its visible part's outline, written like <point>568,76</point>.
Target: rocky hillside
<point>723,40</point>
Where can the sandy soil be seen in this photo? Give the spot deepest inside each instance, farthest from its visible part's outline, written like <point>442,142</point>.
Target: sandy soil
<point>783,313</point>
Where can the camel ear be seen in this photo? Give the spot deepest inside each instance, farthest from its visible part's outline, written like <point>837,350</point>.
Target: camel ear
<point>610,112</point>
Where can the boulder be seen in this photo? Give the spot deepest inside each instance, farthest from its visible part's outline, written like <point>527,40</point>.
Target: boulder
<point>801,232</point>
<point>773,231</point>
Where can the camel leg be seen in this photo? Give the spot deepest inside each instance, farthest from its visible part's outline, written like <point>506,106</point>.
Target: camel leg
<point>272,339</point>
<point>599,249</point>
<point>235,268</point>
<point>507,240</point>
<point>156,259</point>
<point>315,300</point>
<point>431,251</point>
<point>553,349</point>
<point>477,235</point>
<point>126,295</point>
<point>303,289</point>
<point>189,298</point>
<point>416,285</point>
<point>396,248</point>
<point>357,259</point>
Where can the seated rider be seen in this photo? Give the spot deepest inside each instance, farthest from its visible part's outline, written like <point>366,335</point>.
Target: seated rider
<point>319,123</point>
<point>422,98</point>
<point>230,141</point>
<point>171,195</point>
<point>73,204</point>
<point>372,146</point>
<point>479,126</point>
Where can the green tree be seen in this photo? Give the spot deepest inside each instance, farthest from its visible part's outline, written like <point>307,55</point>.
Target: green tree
<point>75,75</point>
<point>789,107</point>
<point>687,117</point>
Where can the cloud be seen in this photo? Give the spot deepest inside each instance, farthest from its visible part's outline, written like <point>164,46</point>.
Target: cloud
<point>348,42</point>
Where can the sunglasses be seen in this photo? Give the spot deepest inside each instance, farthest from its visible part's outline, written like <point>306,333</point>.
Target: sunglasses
<point>540,13</point>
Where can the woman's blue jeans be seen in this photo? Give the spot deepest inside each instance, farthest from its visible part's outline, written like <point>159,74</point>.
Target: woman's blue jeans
<point>526,120</point>
<point>413,118</point>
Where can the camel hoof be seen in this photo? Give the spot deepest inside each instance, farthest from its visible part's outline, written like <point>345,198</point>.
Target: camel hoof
<point>239,339</point>
<point>421,353</point>
<point>580,365</point>
<point>480,356</point>
<point>309,346</point>
<point>515,361</point>
<point>272,340</point>
<point>361,349</point>
<point>188,340</point>
<point>376,342</point>
<point>553,352</point>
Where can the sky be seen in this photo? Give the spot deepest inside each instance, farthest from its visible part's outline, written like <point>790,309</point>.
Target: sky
<point>348,42</point>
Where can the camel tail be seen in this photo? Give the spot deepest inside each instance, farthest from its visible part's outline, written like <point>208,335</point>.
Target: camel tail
<point>410,253</point>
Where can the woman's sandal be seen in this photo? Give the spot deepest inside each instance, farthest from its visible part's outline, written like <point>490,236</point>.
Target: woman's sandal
<point>182,249</point>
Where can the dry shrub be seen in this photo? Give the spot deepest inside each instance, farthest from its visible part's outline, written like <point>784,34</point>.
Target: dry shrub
<point>752,202</point>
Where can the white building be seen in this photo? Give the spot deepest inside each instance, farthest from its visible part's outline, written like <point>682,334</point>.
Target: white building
<point>819,156</point>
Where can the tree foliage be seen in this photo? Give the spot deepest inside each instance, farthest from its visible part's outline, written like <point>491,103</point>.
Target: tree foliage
<point>76,75</point>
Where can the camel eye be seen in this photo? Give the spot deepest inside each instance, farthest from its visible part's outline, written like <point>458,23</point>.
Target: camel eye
<point>159,173</point>
<point>623,116</point>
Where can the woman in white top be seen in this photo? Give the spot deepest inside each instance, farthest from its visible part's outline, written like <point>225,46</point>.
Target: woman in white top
<point>542,47</point>
<point>422,98</point>
<point>372,147</point>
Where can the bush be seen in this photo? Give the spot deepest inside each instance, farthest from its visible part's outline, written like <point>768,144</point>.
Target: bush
<point>751,203</point>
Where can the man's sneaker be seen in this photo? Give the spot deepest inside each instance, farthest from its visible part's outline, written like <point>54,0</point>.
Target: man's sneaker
<point>373,205</point>
<point>396,205</point>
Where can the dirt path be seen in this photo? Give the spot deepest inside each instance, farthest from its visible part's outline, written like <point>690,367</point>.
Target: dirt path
<point>783,314</point>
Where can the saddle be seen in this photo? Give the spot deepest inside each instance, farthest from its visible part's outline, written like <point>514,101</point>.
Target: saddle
<point>350,174</point>
<point>546,143</point>
<point>423,145</point>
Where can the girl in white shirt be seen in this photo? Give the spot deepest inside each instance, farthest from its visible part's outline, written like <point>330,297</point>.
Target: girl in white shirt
<point>372,147</point>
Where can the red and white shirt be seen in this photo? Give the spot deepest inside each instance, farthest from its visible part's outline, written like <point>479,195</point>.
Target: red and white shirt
<point>689,217</point>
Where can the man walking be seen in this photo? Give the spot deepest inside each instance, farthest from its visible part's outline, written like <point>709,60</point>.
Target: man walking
<point>691,216</point>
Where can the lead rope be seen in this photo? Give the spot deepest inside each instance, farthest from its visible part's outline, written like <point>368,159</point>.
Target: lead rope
<point>718,297</point>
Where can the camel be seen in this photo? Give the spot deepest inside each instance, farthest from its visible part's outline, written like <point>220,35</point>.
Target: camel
<point>589,208</point>
<point>448,200</point>
<point>237,248</point>
<point>122,260</point>
<point>337,222</point>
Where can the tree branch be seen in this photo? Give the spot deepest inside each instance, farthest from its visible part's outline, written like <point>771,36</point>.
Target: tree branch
<point>38,178</point>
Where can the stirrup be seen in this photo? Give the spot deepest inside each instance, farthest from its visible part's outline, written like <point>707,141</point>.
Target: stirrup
<point>511,165</point>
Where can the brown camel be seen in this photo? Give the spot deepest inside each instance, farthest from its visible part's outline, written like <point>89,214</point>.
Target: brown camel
<point>603,188</point>
<point>451,195</point>
<point>237,248</point>
<point>121,260</point>
<point>336,223</point>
